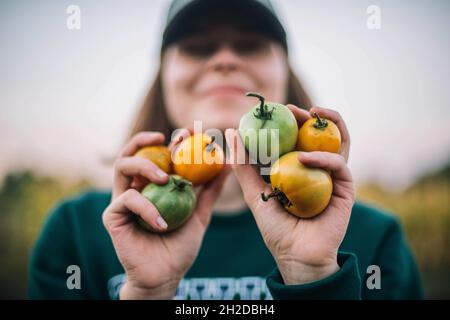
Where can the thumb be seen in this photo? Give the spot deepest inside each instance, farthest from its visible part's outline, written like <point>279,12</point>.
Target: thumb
<point>247,175</point>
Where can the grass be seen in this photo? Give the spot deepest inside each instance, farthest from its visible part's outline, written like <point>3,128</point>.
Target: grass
<point>424,209</point>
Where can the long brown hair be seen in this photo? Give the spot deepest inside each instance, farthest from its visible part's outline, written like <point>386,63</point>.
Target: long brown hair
<point>152,115</point>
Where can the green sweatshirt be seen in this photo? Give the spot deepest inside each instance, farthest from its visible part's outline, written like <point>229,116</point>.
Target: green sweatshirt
<point>233,262</point>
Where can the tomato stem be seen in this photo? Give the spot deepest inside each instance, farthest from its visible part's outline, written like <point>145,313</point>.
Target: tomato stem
<point>180,184</point>
<point>263,112</point>
<point>277,193</point>
<point>210,146</point>
<point>320,123</point>
<point>270,195</point>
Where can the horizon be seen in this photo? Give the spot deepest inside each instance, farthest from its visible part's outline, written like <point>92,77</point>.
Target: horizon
<point>57,85</point>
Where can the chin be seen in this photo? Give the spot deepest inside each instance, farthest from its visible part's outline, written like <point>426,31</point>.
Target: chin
<point>220,122</point>
<point>227,101</point>
<point>222,112</point>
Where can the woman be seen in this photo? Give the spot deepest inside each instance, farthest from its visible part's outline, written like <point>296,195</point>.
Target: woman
<point>211,55</point>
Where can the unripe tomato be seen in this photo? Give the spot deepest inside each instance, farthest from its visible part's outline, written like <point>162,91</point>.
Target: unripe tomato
<point>198,158</point>
<point>271,116</point>
<point>318,134</point>
<point>159,155</point>
<point>304,192</point>
<point>175,201</point>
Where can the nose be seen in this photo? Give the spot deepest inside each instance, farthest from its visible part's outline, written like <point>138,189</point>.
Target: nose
<point>224,61</point>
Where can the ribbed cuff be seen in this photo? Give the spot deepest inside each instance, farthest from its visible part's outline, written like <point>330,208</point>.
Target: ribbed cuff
<point>345,284</point>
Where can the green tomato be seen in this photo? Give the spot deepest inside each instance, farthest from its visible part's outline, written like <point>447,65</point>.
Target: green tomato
<point>175,201</point>
<point>279,137</point>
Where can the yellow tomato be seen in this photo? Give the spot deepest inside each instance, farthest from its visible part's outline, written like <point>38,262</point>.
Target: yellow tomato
<point>318,134</point>
<point>198,158</point>
<point>159,155</point>
<point>304,192</point>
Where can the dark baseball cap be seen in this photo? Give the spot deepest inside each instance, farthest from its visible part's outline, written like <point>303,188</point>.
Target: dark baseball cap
<point>258,14</point>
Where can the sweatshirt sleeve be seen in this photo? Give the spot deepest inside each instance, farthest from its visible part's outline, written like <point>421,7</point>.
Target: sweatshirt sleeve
<point>400,278</point>
<point>53,253</point>
<point>345,284</point>
<point>399,275</point>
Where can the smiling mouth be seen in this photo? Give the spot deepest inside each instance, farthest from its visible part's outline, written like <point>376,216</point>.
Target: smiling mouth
<point>226,90</point>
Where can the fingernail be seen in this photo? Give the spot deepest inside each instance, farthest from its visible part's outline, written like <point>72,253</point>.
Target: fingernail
<point>161,173</point>
<point>304,155</point>
<point>160,221</point>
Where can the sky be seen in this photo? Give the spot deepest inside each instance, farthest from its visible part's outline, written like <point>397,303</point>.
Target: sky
<point>67,97</point>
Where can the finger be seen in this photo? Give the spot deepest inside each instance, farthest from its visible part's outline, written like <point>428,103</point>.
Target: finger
<point>247,175</point>
<point>209,194</point>
<point>177,136</point>
<point>126,168</point>
<point>339,121</point>
<point>139,182</point>
<point>300,114</point>
<point>131,201</point>
<point>328,161</point>
<point>140,140</point>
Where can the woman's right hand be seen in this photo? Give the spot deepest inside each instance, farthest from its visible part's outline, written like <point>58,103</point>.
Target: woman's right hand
<point>154,263</point>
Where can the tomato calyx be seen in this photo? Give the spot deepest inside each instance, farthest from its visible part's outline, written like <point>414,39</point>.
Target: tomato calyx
<point>277,193</point>
<point>320,123</point>
<point>210,146</point>
<point>179,184</point>
<point>263,112</point>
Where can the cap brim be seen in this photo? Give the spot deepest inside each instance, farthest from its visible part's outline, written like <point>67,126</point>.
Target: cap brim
<point>261,18</point>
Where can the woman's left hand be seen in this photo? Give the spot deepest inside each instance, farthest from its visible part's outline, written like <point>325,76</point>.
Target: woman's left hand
<point>305,250</point>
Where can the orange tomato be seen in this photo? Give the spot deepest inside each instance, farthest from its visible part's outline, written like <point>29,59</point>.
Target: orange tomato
<point>305,192</point>
<point>198,158</point>
<point>318,134</point>
<point>159,155</point>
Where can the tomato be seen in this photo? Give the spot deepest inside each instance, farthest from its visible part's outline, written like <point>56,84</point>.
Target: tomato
<point>276,118</point>
<point>304,192</point>
<point>175,201</point>
<point>319,134</point>
<point>198,158</point>
<point>159,155</point>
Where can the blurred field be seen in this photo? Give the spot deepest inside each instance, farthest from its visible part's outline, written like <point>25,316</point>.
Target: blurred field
<point>25,200</point>
<point>424,209</point>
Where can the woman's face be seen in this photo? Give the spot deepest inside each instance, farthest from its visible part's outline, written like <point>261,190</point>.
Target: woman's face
<point>205,76</point>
